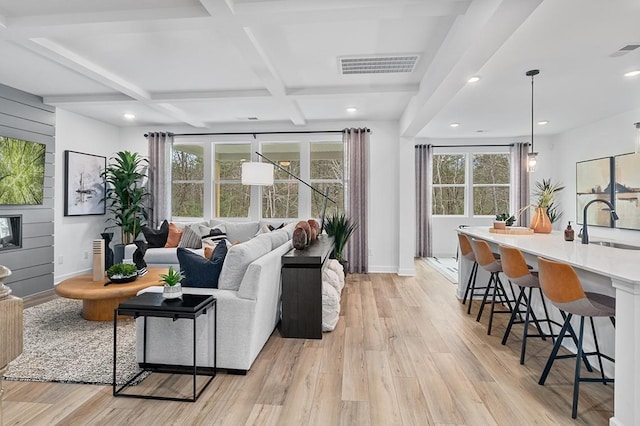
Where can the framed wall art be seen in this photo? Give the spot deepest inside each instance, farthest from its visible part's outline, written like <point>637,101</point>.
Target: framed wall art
<point>594,180</point>
<point>627,190</point>
<point>84,184</point>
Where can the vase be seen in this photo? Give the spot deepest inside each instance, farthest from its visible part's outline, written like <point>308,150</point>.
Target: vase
<point>108,252</point>
<point>172,291</point>
<point>540,223</point>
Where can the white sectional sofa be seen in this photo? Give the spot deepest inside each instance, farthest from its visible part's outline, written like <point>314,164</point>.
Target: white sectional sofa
<point>248,309</point>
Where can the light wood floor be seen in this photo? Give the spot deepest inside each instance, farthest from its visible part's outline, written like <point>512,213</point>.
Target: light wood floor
<point>404,352</point>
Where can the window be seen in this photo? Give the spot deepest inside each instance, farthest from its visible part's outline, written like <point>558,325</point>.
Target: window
<point>448,184</point>
<point>491,176</point>
<point>327,172</point>
<point>281,199</point>
<point>478,183</point>
<point>187,186</point>
<point>232,198</point>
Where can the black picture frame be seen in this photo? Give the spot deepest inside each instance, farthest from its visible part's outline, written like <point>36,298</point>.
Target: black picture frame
<point>594,179</point>
<point>84,185</point>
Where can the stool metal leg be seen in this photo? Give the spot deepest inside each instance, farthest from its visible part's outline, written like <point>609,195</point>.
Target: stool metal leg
<point>576,383</point>
<point>484,298</point>
<point>469,283</point>
<point>595,341</point>
<point>512,318</point>
<point>556,348</point>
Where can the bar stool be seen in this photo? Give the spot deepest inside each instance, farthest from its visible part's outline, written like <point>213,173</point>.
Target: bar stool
<point>467,252</point>
<point>487,261</point>
<point>516,269</point>
<point>561,285</point>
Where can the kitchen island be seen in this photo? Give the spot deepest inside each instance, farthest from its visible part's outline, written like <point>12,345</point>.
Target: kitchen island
<point>607,270</point>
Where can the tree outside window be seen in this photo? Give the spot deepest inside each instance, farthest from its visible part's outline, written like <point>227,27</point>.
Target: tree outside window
<point>327,171</point>
<point>187,174</point>
<point>280,200</point>
<point>448,184</point>
<point>231,198</point>
<point>491,178</point>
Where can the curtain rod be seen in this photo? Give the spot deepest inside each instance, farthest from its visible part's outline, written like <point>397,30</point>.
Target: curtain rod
<point>471,146</point>
<point>259,133</point>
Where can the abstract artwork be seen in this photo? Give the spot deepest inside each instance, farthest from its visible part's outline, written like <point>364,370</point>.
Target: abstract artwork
<point>627,190</point>
<point>593,181</point>
<point>84,184</point>
<point>21,172</point>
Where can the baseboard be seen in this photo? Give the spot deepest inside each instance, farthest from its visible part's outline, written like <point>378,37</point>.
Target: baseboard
<point>407,272</point>
<point>59,278</point>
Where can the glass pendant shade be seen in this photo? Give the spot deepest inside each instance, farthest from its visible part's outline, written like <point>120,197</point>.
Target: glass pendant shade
<point>532,161</point>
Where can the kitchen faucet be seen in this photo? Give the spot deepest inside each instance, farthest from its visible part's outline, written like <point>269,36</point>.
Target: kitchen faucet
<point>612,210</point>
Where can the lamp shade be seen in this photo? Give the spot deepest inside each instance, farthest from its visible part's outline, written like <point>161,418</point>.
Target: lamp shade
<point>257,174</point>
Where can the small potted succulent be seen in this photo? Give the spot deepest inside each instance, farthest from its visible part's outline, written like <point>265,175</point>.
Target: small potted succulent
<point>122,273</point>
<point>503,220</point>
<point>172,287</point>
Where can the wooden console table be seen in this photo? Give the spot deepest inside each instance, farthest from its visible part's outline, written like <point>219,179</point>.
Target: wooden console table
<point>302,289</point>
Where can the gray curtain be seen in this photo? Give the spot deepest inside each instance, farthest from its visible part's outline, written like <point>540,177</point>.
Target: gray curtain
<point>159,177</point>
<point>520,181</point>
<point>424,188</point>
<point>357,147</point>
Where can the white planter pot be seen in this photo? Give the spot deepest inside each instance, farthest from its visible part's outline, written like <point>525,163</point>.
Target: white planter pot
<point>172,292</point>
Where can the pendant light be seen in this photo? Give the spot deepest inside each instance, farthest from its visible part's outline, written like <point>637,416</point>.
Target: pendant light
<point>532,157</point>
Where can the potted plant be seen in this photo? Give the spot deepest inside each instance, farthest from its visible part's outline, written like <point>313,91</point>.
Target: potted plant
<point>126,196</point>
<point>172,287</point>
<point>545,211</point>
<point>340,227</point>
<point>122,273</point>
<point>503,220</point>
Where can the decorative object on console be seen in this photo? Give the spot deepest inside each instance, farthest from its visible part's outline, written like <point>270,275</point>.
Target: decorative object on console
<point>156,238</point>
<point>172,288</point>
<point>340,227</point>
<point>594,180</point>
<point>126,194</point>
<point>108,252</point>
<point>532,156</point>
<point>121,273</point>
<point>299,239</point>
<point>84,184</point>
<point>98,260</point>
<point>138,257</point>
<point>315,228</point>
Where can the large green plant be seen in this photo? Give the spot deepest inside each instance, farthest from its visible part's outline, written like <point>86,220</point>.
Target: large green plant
<point>126,196</point>
<point>340,227</point>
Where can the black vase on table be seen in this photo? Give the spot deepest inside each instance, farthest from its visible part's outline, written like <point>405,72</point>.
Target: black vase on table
<point>108,253</point>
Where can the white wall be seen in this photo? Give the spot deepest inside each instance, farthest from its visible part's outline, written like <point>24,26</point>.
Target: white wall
<point>384,190</point>
<point>74,234</point>
<point>608,137</point>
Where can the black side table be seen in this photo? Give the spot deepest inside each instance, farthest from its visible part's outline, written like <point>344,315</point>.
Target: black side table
<point>191,306</point>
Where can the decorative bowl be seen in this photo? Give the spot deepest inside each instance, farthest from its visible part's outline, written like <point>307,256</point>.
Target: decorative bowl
<point>122,279</point>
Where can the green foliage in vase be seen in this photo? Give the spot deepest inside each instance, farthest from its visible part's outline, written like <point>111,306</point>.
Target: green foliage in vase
<point>507,218</point>
<point>545,192</point>
<point>122,269</point>
<point>21,171</point>
<point>172,277</point>
<point>340,227</point>
<point>126,196</point>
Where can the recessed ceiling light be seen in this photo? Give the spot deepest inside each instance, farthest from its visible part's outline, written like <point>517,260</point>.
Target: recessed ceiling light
<point>454,124</point>
<point>543,122</point>
<point>352,109</point>
<point>633,73</point>
<point>473,79</point>
<point>129,116</point>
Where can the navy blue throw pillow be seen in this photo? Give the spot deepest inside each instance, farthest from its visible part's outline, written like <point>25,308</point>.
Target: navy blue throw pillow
<point>199,271</point>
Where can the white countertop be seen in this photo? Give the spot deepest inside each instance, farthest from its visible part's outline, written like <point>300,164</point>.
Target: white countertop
<point>623,265</point>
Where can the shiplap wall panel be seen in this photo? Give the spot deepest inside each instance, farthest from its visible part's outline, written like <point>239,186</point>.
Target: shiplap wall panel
<point>24,116</point>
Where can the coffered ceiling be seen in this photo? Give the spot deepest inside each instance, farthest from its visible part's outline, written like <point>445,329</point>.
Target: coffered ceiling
<point>207,63</point>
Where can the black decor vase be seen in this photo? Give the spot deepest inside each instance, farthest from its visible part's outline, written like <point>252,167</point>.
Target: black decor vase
<point>108,253</point>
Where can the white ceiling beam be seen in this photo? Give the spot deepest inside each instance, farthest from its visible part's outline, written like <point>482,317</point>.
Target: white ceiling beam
<point>463,53</point>
<point>100,98</point>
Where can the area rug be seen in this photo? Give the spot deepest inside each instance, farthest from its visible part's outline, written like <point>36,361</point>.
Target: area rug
<point>447,266</point>
<point>61,346</point>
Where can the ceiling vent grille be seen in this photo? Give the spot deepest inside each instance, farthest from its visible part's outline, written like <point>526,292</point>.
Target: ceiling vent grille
<point>378,64</point>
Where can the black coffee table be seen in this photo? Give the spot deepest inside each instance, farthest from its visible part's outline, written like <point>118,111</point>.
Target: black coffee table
<point>191,306</point>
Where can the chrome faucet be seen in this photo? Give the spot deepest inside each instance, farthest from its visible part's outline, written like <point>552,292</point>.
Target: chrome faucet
<point>612,210</point>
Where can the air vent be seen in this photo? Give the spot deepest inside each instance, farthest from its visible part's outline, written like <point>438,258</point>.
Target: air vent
<point>624,50</point>
<point>378,64</point>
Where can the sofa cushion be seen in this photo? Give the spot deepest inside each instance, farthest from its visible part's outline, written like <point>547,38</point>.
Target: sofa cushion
<point>278,238</point>
<point>238,231</point>
<point>238,259</point>
<point>156,237</point>
<point>199,271</point>
<point>213,235</point>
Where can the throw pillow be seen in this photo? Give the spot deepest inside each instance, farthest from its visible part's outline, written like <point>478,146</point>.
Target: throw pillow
<point>214,236</point>
<point>156,237</point>
<point>191,237</point>
<point>199,271</point>
<point>175,234</point>
<point>273,228</point>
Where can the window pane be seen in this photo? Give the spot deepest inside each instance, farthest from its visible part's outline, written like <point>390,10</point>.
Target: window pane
<point>229,159</point>
<point>187,162</point>
<point>327,161</point>
<point>448,201</point>
<point>280,200</point>
<point>448,169</point>
<point>490,200</point>
<point>491,169</point>
<point>187,199</point>
<point>336,193</point>
<point>232,200</point>
<point>286,155</point>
